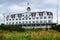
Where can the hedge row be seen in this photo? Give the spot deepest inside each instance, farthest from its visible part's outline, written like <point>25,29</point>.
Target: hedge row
<point>19,28</point>
<point>11,28</point>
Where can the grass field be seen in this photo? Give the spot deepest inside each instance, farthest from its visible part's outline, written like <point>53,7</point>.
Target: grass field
<point>30,35</point>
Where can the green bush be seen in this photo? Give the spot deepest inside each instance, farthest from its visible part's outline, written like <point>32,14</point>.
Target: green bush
<point>11,28</point>
<point>57,28</point>
<point>34,29</point>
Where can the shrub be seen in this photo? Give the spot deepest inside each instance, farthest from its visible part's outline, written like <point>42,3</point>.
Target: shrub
<point>34,29</point>
<point>11,28</point>
<point>57,28</point>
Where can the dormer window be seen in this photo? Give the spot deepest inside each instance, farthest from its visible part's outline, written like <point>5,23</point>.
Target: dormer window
<point>49,13</point>
<point>33,14</point>
<point>40,13</point>
<point>19,15</point>
<point>13,16</point>
<point>7,16</point>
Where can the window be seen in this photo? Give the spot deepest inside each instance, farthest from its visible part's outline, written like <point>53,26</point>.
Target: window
<point>40,17</point>
<point>45,21</point>
<point>22,22</point>
<point>33,18</point>
<point>23,15</point>
<point>40,21</point>
<point>29,18</point>
<point>29,21</point>
<point>7,16</point>
<point>26,21</point>
<point>6,22</point>
<point>33,21</point>
<point>6,19</point>
<point>36,21</point>
<point>9,22</point>
<point>12,19</point>
<point>26,15</point>
<point>49,17</point>
<point>26,18</point>
<point>13,23</point>
<point>29,15</point>
<point>19,15</point>
<point>22,18</point>
<point>40,13</point>
<point>44,17</point>
<point>28,8</point>
<point>36,17</point>
<point>16,22</point>
<point>16,19</point>
<point>19,22</point>
<point>49,21</point>
<point>33,14</point>
<point>13,16</point>
<point>49,13</point>
<point>45,12</point>
<point>9,19</point>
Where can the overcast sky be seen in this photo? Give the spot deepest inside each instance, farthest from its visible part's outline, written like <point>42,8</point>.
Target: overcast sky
<point>17,6</point>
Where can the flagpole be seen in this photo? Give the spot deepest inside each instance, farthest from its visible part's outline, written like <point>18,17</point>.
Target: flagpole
<point>57,12</point>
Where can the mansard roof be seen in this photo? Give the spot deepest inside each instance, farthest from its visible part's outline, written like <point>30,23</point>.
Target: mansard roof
<point>41,12</point>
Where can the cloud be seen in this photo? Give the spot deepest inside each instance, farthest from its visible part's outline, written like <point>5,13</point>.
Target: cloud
<point>1,18</point>
<point>15,6</point>
<point>51,1</point>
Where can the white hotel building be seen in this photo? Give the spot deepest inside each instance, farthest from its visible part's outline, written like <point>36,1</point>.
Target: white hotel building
<point>42,19</point>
